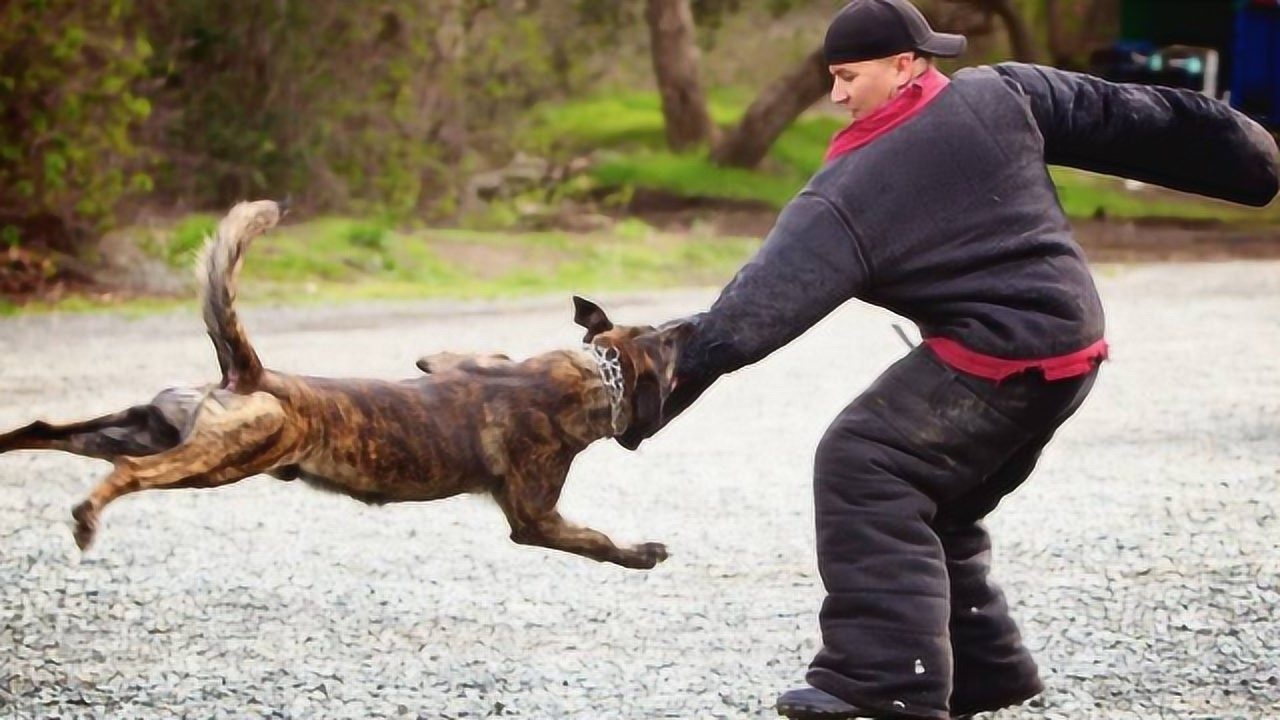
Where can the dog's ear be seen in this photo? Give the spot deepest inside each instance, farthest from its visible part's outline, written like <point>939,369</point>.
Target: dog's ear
<point>681,331</point>
<point>590,316</point>
<point>646,411</point>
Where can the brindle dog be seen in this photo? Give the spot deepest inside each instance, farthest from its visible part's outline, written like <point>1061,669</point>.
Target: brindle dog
<point>470,424</point>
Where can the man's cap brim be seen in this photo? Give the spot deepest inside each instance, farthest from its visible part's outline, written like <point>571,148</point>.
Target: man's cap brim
<point>944,45</point>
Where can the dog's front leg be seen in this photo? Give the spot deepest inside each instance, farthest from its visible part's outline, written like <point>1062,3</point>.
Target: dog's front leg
<point>530,509</point>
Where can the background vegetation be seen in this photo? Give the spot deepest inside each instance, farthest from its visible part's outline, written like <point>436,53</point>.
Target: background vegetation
<point>413,114</point>
<point>113,106</point>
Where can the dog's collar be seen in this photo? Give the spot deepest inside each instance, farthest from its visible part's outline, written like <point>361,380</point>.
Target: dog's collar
<point>609,365</point>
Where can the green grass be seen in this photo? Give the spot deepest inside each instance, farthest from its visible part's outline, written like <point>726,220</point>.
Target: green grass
<point>1086,195</point>
<point>621,121</point>
<point>339,259</point>
<point>626,132</point>
<point>695,176</point>
<point>474,264</point>
<point>179,244</point>
<point>131,307</point>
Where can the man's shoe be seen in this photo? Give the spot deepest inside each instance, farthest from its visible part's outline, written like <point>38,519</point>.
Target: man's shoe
<point>810,703</point>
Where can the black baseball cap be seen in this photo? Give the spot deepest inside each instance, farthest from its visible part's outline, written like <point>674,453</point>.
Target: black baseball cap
<point>870,29</point>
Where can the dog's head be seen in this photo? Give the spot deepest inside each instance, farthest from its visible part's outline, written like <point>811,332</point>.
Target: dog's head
<point>647,356</point>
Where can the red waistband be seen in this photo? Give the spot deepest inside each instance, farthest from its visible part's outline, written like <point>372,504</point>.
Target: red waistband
<point>990,367</point>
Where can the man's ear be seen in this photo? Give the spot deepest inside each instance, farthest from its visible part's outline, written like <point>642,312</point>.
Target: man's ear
<point>646,412</point>
<point>590,316</point>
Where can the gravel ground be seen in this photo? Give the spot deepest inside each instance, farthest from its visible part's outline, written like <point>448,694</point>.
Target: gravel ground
<point>1143,558</point>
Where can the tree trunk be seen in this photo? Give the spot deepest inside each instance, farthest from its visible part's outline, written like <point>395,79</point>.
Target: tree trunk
<point>777,106</point>
<point>1020,37</point>
<point>675,65</point>
<point>1057,31</point>
<point>1071,41</point>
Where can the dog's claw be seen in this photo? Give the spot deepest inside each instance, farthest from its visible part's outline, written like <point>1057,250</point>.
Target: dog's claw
<point>86,524</point>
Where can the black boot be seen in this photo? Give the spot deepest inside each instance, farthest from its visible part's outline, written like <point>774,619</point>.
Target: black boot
<point>810,703</point>
<point>964,708</point>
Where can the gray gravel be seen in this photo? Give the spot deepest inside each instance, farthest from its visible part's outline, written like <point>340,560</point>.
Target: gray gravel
<point>1143,557</point>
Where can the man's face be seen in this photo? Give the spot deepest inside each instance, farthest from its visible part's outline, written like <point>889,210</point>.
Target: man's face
<point>862,87</point>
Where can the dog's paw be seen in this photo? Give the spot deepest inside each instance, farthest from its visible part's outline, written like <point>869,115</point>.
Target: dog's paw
<point>86,524</point>
<point>645,556</point>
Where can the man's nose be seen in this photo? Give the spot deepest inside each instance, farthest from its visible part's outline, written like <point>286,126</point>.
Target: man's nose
<point>838,95</point>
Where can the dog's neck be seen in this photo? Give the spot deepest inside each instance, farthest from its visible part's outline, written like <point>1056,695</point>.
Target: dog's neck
<point>609,367</point>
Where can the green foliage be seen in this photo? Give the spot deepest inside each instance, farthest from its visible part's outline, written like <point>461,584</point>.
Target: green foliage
<point>370,236</point>
<point>70,104</point>
<point>188,237</point>
<point>380,110</point>
<point>374,109</point>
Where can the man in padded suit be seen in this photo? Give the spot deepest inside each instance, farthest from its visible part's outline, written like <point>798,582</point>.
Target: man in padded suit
<point>936,203</point>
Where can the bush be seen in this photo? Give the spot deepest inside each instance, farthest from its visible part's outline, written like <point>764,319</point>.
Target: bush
<point>350,107</point>
<point>69,107</point>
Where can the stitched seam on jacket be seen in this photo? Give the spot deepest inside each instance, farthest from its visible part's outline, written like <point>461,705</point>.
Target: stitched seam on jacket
<point>847,223</point>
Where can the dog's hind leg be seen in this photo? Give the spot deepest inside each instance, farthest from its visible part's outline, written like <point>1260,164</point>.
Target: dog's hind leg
<point>530,509</point>
<point>234,437</point>
<point>136,431</point>
<point>139,430</point>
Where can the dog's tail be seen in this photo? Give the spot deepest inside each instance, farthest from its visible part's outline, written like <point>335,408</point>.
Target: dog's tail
<point>216,271</point>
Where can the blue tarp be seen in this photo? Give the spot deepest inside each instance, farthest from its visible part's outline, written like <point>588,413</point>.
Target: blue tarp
<point>1255,81</point>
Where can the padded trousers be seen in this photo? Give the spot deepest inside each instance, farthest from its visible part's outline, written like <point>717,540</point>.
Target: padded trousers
<point>912,625</point>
